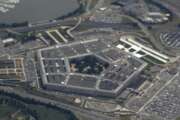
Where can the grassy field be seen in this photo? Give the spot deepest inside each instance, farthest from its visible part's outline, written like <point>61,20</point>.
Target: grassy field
<point>6,111</point>
<point>51,114</point>
<point>23,112</point>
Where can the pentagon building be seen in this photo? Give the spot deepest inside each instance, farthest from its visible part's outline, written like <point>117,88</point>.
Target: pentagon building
<point>90,67</point>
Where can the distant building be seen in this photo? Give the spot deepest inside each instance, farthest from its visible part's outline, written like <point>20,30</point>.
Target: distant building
<point>9,41</point>
<point>12,69</point>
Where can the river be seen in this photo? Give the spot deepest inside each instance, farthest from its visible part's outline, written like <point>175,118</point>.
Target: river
<point>34,10</point>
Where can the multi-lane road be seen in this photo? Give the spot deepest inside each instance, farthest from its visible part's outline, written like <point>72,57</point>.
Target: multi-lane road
<point>45,100</point>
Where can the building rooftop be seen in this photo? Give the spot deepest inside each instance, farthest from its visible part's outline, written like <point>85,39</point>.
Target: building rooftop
<point>11,69</point>
<point>87,67</point>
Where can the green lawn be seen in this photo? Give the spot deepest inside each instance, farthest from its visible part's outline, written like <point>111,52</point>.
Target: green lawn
<point>42,112</point>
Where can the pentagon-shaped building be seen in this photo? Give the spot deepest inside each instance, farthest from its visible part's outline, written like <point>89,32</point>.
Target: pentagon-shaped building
<point>91,67</point>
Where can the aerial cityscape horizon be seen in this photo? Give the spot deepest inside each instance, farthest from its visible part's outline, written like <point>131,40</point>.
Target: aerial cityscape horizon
<point>89,60</point>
